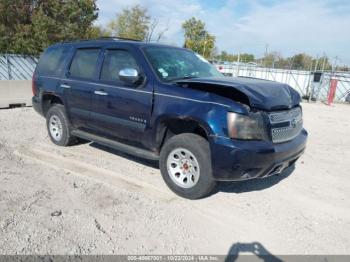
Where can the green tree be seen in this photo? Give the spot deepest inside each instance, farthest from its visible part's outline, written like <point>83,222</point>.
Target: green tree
<point>198,38</point>
<point>245,57</point>
<point>29,26</point>
<point>322,63</point>
<point>131,23</point>
<point>136,23</point>
<point>225,56</point>
<point>15,23</point>
<point>98,31</point>
<point>302,61</point>
<point>272,59</point>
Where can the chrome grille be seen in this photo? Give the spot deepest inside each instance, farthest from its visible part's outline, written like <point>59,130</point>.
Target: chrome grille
<point>285,125</point>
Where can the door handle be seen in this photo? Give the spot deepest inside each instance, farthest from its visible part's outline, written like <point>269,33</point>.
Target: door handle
<point>101,93</point>
<point>65,86</point>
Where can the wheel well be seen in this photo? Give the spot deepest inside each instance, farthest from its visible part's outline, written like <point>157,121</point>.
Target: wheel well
<point>173,127</point>
<point>48,100</point>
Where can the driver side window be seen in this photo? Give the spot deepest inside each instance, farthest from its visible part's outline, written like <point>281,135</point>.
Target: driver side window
<point>116,60</point>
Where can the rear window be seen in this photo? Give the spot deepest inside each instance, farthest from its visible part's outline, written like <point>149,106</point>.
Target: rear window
<point>84,63</point>
<point>52,61</point>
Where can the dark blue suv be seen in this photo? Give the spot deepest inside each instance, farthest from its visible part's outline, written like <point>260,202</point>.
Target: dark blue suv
<point>170,105</point>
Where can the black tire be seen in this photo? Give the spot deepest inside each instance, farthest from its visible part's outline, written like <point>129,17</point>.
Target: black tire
<point>199,147</point>
<point>65,139</point>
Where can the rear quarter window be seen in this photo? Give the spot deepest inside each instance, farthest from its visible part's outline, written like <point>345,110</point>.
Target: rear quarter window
<point>52,61</point>
<point>84,63</point>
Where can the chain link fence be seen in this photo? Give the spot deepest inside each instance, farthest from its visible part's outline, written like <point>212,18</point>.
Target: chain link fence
<point>310,85</point>
<point>21,67</point>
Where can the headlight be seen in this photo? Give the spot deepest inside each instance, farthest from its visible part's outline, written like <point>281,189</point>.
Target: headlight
<point>251,127</point>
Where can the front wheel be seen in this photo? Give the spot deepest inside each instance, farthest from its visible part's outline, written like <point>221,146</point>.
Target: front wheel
<point>185,165</point>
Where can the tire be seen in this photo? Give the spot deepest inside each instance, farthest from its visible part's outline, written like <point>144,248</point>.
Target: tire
<point>58,126</point>
<point>185,166</point>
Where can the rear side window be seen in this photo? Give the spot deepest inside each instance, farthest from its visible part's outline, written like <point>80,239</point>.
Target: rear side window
<point>52,61</point>
<point>84,63</point>
<point>116,60</point>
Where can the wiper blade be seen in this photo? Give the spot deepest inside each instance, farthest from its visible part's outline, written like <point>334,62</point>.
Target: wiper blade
<point>175,79</point>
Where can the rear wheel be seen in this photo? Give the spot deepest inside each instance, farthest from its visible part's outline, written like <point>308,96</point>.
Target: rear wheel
<point>58,126</point>
<point>185,165</point>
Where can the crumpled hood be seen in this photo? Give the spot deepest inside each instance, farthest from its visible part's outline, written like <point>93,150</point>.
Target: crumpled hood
<point>262,94</point>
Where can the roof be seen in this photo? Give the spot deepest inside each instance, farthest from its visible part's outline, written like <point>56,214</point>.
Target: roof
<point>111,40</point>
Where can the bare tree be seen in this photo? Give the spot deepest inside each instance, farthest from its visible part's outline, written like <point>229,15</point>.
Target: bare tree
<point>162,32</point>
<point>153,27</point>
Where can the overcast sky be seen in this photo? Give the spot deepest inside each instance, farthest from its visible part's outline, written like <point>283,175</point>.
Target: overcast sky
<point>286,26</point>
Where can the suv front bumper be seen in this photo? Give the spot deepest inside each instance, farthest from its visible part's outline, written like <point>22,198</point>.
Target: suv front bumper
<point>234,160</point>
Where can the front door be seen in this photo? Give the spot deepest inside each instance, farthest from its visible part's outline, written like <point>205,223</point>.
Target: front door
<point>119,108</point>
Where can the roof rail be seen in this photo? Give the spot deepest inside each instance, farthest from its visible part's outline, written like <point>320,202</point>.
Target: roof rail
<point>118,38</point>
<point>101,38</point>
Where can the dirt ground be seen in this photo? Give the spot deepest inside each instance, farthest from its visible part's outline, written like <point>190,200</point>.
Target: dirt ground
<point>87,199</point>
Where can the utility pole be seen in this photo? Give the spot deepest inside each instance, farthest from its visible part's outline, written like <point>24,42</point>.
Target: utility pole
<point>238,60</point>
<point>316,63</point>
<point>205,42</point>
<point>324,62</point>
<point>266,53</point>
<point>334,67</point>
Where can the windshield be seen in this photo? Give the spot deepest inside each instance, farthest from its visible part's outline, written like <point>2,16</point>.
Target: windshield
<point>173,64</point>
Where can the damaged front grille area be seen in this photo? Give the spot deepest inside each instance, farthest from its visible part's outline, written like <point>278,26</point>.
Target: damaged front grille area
<point>285,125</point>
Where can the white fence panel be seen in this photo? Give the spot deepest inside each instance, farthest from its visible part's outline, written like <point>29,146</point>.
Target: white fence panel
<point>17,67</point>
<point>302,81</point>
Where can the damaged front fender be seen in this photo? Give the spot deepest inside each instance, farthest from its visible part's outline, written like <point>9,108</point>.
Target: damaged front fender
<point>256,93</point>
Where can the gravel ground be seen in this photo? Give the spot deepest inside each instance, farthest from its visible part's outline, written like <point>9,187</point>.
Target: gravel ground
<point>87,199</point>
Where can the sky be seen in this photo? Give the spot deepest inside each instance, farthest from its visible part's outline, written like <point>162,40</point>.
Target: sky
<point>316,27</point>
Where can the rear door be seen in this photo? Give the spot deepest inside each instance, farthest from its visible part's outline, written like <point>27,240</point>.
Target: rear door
<point>79,85</point>
<point>119,108</point>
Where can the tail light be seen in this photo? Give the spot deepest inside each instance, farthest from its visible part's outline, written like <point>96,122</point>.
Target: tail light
<point>33,86</point>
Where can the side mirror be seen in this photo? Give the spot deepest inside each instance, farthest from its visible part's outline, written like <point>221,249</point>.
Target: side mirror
<point>129,75</point>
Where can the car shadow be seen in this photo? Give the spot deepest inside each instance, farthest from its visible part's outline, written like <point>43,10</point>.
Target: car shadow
<point>149,163</point>
<point>227,187</point>
<point>251,249</point>
<point>253,184</point>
